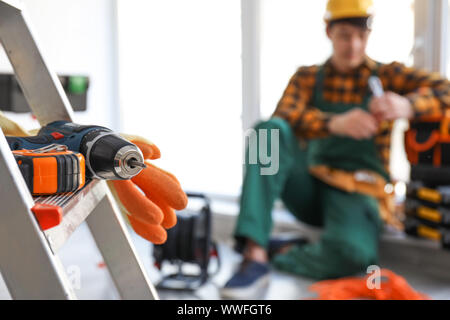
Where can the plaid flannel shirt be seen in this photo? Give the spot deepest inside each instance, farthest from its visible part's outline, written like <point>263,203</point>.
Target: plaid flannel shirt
<point>428,93</point>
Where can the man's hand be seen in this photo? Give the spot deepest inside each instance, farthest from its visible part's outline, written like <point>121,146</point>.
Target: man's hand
<point>390,106</point>
<point>356,123</point>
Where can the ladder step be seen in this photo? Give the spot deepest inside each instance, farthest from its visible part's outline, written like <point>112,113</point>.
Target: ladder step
<point>76,207</point>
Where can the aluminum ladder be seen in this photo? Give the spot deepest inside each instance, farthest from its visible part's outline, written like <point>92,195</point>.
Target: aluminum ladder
<point>29,263</point>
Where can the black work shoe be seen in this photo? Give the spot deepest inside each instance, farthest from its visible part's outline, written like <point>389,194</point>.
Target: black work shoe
<point>249,282</point>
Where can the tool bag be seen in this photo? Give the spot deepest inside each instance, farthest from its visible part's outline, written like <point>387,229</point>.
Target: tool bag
<point>427,142</point>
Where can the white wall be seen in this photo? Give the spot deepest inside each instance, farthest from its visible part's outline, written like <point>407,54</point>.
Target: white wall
<point>448,43</point>
<point>78,37</point>
<point>180,86</point>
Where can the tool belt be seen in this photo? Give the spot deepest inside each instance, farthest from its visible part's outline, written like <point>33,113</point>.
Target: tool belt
<point>364,182</point>
<point>427,142</point>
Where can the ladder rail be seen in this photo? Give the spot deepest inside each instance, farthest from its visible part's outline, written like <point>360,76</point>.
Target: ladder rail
<point>110,233</point>
<point>41,87</point>
<point>27,263</point>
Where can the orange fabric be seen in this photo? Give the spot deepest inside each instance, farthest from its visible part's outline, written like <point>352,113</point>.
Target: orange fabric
<point>149,199</point>
<point>139,206</point>
<point>154,233</point>
<point>148,151</point>
<point>170,218</point>
<point>392,287</point>
<point>153,180</point>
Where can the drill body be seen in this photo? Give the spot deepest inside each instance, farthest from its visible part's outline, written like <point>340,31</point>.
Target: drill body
<point>108,156</point>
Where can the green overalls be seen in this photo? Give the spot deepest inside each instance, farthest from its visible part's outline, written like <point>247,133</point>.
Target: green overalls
<point>351,221</point>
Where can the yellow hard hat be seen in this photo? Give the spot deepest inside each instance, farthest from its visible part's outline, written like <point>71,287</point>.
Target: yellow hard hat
<point>340,9</point>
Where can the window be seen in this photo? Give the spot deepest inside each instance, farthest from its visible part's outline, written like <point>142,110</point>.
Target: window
<point>293,34</point>
<point>180,86</point>
<point>392,37</point>
<point>448,40</point>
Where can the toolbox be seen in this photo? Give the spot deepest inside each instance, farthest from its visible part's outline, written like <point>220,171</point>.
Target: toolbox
<point>428,211</point>
<point>436,195</point>
<point>430,174</point>
<point>425,229</point>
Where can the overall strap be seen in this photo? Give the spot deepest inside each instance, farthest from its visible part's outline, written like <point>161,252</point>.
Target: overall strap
<point>368,94</point>
<point>319,85</point>
<point>318,88</point>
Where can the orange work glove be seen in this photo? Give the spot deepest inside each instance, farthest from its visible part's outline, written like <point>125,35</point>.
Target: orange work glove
<point>151,210</point>
<point>392,287</point>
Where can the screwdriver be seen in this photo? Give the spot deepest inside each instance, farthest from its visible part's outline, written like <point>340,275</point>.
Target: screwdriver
<point>376,86</point>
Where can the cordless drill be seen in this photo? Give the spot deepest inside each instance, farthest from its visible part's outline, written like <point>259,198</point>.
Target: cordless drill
<point>107,155</point>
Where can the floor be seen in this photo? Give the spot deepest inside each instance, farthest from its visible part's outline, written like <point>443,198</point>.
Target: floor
<point>80,254</point>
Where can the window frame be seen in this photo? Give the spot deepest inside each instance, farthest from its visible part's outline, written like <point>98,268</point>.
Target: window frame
<point>431,35</point>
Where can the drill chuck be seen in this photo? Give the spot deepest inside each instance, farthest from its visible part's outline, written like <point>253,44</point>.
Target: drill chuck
<point>128,162</point>
<point>108,156</point>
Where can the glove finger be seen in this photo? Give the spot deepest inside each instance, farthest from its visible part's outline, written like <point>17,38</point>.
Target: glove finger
<point>170,217</point>
<point>149,151</point>
<point>136,203</point>
<point>154,233</point>
<point>116,197</point>
<point>156,183</point>
<point>170,175</point>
